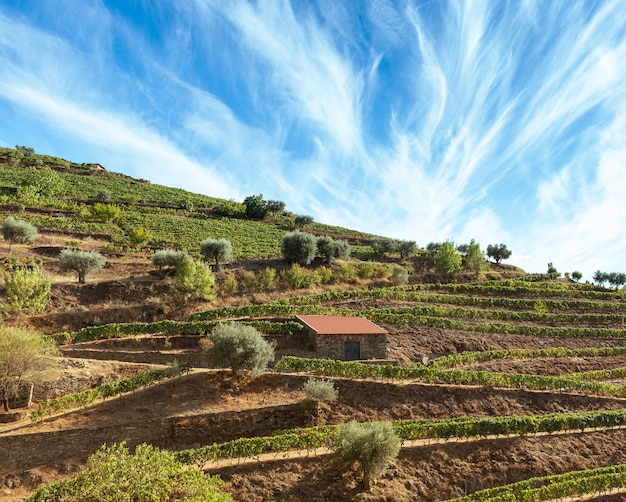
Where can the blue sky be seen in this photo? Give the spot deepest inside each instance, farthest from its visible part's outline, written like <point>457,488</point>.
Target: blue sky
<point>502,121</point>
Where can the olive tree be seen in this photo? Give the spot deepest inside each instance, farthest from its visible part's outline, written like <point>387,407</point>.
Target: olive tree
<point>371,445</point>
<point>26,357</point>
<point>299,247</point>
<point>498,252</point>
<point>84,263</point>
<point>238,347</point>
<point>167,258</point>
<point>382,246</point>
<point>219,250</point>
<point>17,231</point>
<point>302,221</point>
<point>330,248</point>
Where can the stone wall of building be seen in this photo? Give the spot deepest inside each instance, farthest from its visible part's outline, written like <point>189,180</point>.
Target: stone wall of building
<point>332,346</point>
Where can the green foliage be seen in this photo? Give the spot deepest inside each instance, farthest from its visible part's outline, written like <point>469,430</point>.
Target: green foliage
<point>302,221</point>
<point>27,289</point>
<point>330,248</point>
<point>256,207</point>
<point>148,475</point>
<point>218,250</point>
<point>347,272</point>
<point>194,279</point>
<point>319,389</point>
<point>265,279</point>
<point>324,275</point>
<point>45,181</point>
<point>84,263</point>
<point>238,347</point>
<point>474,259</point>
<point>399,275</point>
<point>228,286</point>
<point>168,258</point>
<point>365,270</point>
<point>447,260</point>
<point>406,248</point>
<point>498,252</point>
<point>299,247</point>
<point>372,445</point>
<point>577,275</point>
<point>139,236</point>
<point>275,207</point>
<point>104,212</point>
<point>230,208</point>
<point>25,357</point>
<point>615,279</point>
<point>17,231</point>
<point>383,246</point>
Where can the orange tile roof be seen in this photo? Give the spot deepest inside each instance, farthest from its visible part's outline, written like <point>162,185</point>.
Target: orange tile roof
<point>340,325</point>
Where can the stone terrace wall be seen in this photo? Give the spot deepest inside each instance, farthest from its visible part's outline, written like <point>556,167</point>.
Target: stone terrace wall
<point>26,451</point>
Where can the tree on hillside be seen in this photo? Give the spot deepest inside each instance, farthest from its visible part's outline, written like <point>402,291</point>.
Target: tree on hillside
<point>383,246</point>
<point>219,250</point>
<point>474,259</point>
<point>46,182</point>
<point>448,259</point>
<point>167,258</point>
<point>84,263</point>
<point>25,358</point>
<point>238,347</point>
<point>600,277</point>
<point>299,247</point>
<point>371,445</point>
<point>330,248</point>
<point>498,252</point>
<point>17,231</point>
<point>274,207</point>
<point>616,279</point>
<point>406,248</point>
<point>146,475</point>
<point>256,207</point>
<point>576,275</point>
<point>302,221</point>
<point>27,289</point>
<point>194,279</point>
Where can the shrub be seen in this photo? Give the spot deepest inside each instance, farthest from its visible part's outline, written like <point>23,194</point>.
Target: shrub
<point>320,390</point>
<point>365,270</point>
<point>250,281</point>
<point>167,258</point>
<point>104,212</point>
<point>299,247</point>
<point>25,357</point>
<point>229,286</point>
<point>302,221</point>
<point>84,263</point>
<point>219,250</point>
<point>194,279</point>
<point>150,474</point>
<point>17,231</point>
<point>399,275</point>
<point>447,259</point>
<point>238,347</point>
<point>347,272</point>
<point>139,236</point>
<point>27,289</point>
<point>296,277</point>
<point>265,279</point>
<point>372,445</point>
<point>256,207</point>
<point>230,208</point>
<point>324,275</point>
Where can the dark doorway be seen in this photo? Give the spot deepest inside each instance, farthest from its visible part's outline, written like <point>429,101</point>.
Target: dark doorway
<point>351,351</point>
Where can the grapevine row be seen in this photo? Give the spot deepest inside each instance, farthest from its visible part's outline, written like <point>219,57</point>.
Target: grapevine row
<point>86,397</point>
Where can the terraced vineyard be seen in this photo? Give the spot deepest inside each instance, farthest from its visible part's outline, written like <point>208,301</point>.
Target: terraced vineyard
<point>535,395</point>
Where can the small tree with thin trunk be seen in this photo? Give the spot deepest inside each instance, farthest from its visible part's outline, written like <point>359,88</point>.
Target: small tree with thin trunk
<point>238,347</point>
<point>299,247</point>
<point>219,250</point>
<point>498,252</point>
<point>17,231</point>
<point>25,357</point>
<point>84,263</point>
<point>371,445</point>
<point>448,260</point>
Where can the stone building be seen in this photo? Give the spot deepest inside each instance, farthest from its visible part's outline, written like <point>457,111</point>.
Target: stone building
<point>344,337</point>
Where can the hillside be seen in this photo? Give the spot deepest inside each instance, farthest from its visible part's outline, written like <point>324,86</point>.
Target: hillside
<point>465,358</point>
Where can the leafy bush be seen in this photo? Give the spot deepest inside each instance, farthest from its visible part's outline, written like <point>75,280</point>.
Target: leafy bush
<point>17,231</point>
<point>167,258</point>
<point>194,279</point>
<point>365,270</point>
<point>320,390</point>
<point>324,275</point>
<point>27,289</point>
<point>104,212</point>
<point>296,277</point>
<point>265,279</point>
<point>256,207</point>
<point>84,263</point>
<point>399,275</point>
<point>347,272</point>
<point>447,259</point>
<point>372,445</point>
<point>150,474</point>
<point>219,250</point>
<point>229,286</point>
<point>238,347</point>
<point>25,356</point>
<point>138,236</point>
<point>299,247</point>
<point>230,208</point>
